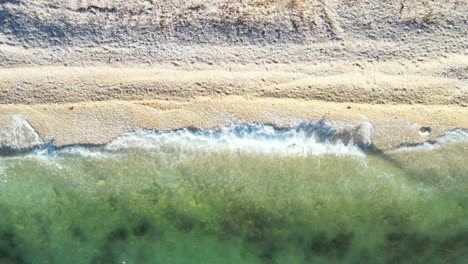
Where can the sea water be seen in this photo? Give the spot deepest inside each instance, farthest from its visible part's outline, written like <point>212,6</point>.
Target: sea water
<point>241,194</point>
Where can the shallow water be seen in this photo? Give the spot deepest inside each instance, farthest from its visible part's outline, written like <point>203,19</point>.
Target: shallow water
<point>249,194</point>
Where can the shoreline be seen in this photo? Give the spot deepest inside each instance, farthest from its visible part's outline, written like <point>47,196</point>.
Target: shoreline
<point>97,123</point>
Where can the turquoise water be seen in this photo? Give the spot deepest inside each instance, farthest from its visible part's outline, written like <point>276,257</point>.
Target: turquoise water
<point>240,195</point>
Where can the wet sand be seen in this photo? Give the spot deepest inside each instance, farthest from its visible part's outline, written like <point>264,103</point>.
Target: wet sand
<point>100,122</point>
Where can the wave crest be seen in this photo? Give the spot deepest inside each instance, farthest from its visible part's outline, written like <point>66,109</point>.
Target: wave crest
<point>303,140</point>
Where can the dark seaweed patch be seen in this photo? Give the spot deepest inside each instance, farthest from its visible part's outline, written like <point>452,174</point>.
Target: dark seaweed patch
<point>77,234</point>
<point>255,222</point>
<point>337,246</point>
<point>9,252</point>
<point>183,221</point>
<point>112,201</point>
<point>403,246</point>
<point>141,229</point>
<point>118,235</point>
<point>109,250</point>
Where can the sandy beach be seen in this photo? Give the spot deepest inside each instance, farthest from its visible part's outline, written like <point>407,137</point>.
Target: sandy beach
<point>85,72</point>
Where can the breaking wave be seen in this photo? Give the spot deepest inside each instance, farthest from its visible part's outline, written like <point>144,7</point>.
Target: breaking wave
<point>455,136</point>
<point>19,134</point>
<point>256,138</point>
<point>3,178</point>
<point>320,138</point>
<point>305,139</point>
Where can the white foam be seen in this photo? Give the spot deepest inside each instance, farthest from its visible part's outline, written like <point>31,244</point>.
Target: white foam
<point>366,130</point>
<point>19,134</point>
<point>455,136</point>
<point>83,152</point>
<point>258,139</point>
<point>3,177</point>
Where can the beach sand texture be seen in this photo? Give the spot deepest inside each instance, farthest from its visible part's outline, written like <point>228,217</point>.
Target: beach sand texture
<point>84,72</point>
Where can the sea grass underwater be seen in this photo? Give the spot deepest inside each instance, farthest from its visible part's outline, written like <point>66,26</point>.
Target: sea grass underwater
<point>174,205</point>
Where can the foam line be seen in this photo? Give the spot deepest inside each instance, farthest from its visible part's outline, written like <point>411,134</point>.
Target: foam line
<point>256,138</point>
<point>455,136</point>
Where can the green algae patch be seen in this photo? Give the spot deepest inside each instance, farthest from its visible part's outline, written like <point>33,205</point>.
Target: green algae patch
<point>177,206</point>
